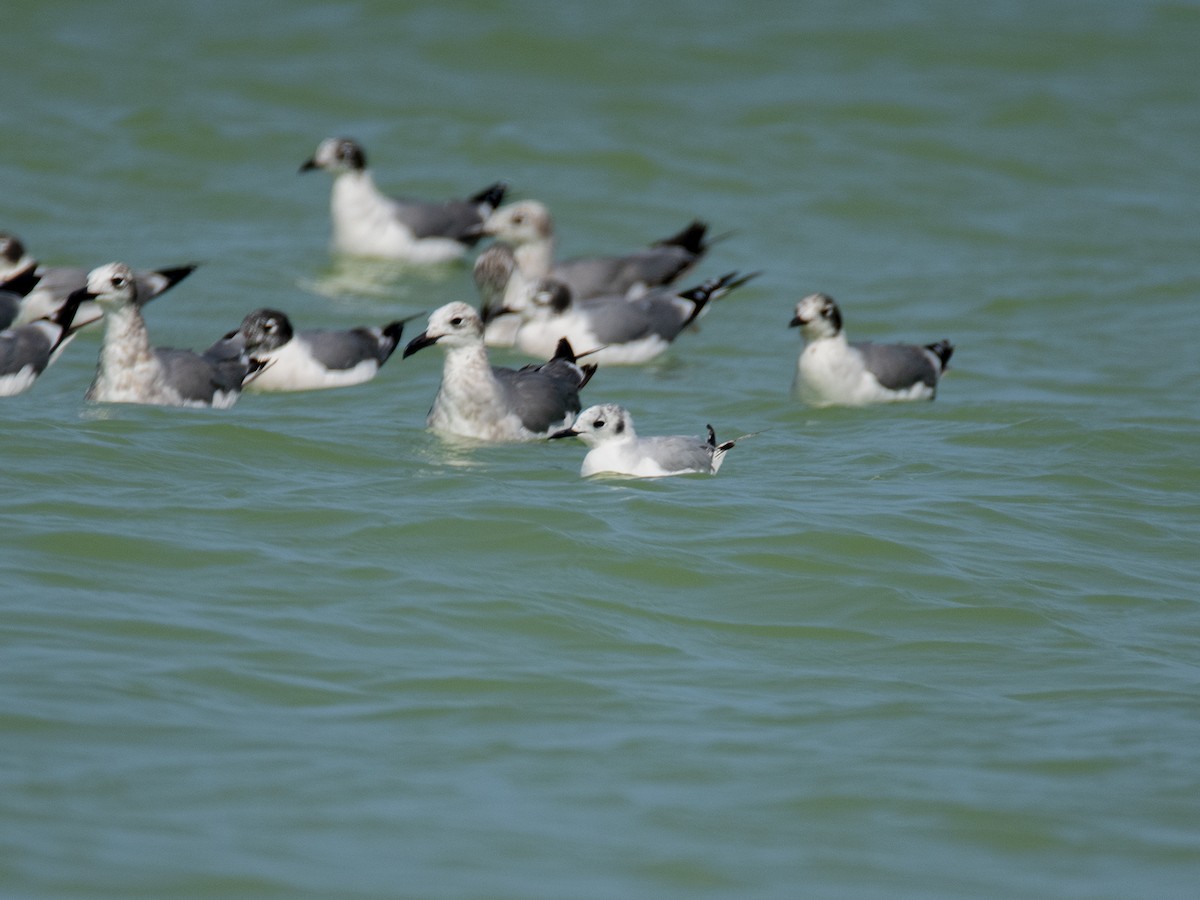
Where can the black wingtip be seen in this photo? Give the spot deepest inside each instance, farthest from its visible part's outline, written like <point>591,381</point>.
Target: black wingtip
<point>943,350</point>
<point>176,274</point>
<point>492,195</point>
<point>588,371</point>
<point>690,239</point>
<point>23,282</point>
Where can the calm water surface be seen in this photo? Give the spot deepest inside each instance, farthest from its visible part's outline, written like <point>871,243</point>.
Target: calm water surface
<point>302,648</point>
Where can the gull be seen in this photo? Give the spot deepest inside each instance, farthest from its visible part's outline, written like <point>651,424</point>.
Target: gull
<point>131,371</point>
<point>53,284</point>
<point>26,350</point>
<point>617,450</point>
<point>367,222</point>
<point>616,330</point>
<point>491,403</point>
<point>313,359</point>
<point>528,228</point>
<point>832,371</point>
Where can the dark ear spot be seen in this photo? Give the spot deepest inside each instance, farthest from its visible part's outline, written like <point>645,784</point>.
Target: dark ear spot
<point>834,315</point>
<point>620,429</point>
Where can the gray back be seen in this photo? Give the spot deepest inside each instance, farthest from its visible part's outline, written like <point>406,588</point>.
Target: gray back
<point>898,366</point>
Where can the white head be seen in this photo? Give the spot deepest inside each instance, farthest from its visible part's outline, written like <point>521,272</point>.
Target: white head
<point>112,286</point>
<point>452,325</point>
<point>817,316</point>
<point>337,155</point>
<point>601,424</point>
<point>524,222</point>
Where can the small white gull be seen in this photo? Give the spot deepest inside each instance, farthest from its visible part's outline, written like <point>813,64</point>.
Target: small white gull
<point>367,222</point>
<point>491,403</point>
<point>616,448</point>
<point>831,371</point>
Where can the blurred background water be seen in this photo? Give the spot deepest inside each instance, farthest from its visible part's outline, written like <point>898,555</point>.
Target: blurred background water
<point>302,648</point>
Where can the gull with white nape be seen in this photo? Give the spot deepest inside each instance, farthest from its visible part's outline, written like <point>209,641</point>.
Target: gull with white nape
<point>132,371</point>
<point>479,401</point>
<point>528,228</point>
<point>367,222</point>
<point>616,448</point>
<point>832,371</point>
<point>313,359</point>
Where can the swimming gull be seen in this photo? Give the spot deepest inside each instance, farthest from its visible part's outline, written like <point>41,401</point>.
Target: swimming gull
<point>616,330</point>
<point>131,371</point>
<point>55,283</point>
<point>491,403</point>
<point>832,371</point>
<point>26,350</point>
<point>367,222</point>
<point>528,228</point>
<point>616,448</point>
<point>313,359</point>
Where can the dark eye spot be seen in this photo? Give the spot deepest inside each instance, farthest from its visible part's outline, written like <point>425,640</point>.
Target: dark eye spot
<point>518,219</point>
<point>456,321</point>
<point>599,423</point>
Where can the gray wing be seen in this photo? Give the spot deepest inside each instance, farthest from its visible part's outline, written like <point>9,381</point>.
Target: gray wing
<point>591,276</point>
<point>222,367</point>
<point>898,366</point>
<point>541,396</point>
<point>346,349</point>
<point>458,220</point>
<point>23,347</point>
<point>678,453</point>
<point>617,320</point>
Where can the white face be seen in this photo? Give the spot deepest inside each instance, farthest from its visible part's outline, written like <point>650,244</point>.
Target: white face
<point>112,284</point>
<point>520,223</point>
<point>818,316</point>
<point>455,325</point>
<point>607,422</point>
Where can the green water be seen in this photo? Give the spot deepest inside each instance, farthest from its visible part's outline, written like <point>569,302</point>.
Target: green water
<point>301,648</point>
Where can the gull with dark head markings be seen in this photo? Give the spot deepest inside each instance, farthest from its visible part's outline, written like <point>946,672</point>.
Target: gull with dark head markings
<point>616,330</point>
<point>616,448</point>
<point>366,222</point>
<point>26,350</point>
<point>528,228</point>
<point>491,403</point>
<point>53,284</point>
<point>313,359</point>
<point>831,371</point>
<point>131,371</point>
